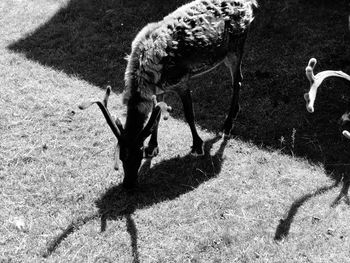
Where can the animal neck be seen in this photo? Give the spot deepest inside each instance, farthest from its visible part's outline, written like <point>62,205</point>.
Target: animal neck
<point>137,112</point>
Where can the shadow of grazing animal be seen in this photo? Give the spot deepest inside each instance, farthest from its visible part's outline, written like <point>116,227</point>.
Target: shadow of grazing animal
<point>284,225</point>
<point>189,42</point>
<point>186,174</point>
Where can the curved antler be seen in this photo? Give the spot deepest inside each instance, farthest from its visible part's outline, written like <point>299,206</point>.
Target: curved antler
<point>115,126</point>
<point>346,134</point>
<point>316,80</point>
<point>153,121</point>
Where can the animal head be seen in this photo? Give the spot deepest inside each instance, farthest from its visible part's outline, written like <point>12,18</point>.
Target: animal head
<point>130,151</point>
<point>315,82</point>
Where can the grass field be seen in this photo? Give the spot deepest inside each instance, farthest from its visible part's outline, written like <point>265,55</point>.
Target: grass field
<point>269,194</point>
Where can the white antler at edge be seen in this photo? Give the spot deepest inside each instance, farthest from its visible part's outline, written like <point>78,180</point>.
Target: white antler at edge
<point>346,134</point>
<point>345,118</point>
<point>316,80</point>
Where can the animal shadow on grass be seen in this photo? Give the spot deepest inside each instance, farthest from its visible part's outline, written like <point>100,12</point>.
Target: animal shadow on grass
<point>90,38</point>
<point>164,181</point>
<point>279,119</point>
<point>284,225</point>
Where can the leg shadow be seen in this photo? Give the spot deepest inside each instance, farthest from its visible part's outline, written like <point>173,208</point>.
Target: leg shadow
<point>164,181</point>
<point>132,230</point>
<point>343,194</point>
<point>117,202</point>
<point>283,228</point>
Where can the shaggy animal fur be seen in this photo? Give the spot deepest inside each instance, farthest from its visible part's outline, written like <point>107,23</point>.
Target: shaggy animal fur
<point>191,40</point>
<point>188,42</point>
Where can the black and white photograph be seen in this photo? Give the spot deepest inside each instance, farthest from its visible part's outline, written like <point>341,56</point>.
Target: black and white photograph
<point>175,131</point>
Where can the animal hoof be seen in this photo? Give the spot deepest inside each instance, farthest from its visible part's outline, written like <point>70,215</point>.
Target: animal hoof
<point>198,150</point>
<point>226,131</point>
<point>151,152</point>
<point>225,135</point>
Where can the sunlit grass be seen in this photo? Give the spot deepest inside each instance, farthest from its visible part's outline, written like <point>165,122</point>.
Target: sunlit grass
<point>61,198</point>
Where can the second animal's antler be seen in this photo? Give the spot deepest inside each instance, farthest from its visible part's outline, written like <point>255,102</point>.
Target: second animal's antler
<point>316,80</point>
<point>345,118</point>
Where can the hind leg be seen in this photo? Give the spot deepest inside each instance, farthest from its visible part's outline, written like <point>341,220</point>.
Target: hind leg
<point>186,98</point>
<point>233,62</point>
<point>152,149</point>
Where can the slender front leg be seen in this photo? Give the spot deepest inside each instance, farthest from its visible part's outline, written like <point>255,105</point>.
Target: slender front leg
<point>234,64</point>
<point>152,149</point>
<point>186,98</point>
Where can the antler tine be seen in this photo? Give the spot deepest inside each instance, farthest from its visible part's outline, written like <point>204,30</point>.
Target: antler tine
<point>116,151</point>
<point>158,109</point>
<point>119,124</point>
<point>346,134</point>
<point>154,100</point>
<point>309,70</point>
<point>116,157</point>
<point>151,124</point>
<point>106,97</point>
<point>103,106</point>
<point>345,118</point>
<point>316,81</point>
<point>86,104</point>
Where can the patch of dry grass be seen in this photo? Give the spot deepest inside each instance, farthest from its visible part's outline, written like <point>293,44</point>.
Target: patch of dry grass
<point>230,205</point>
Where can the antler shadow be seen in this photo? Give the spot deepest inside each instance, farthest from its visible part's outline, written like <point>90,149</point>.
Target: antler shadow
<point>284,225</point>
<point>155,186</point>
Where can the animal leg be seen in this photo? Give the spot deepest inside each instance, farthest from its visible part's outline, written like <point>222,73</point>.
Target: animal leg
<point>234,64</point>
<point>186,98</point>
<point>152,149</point>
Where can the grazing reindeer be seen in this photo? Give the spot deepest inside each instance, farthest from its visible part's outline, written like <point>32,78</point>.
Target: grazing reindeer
<point>194,39</point>
<point>315,82</point>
